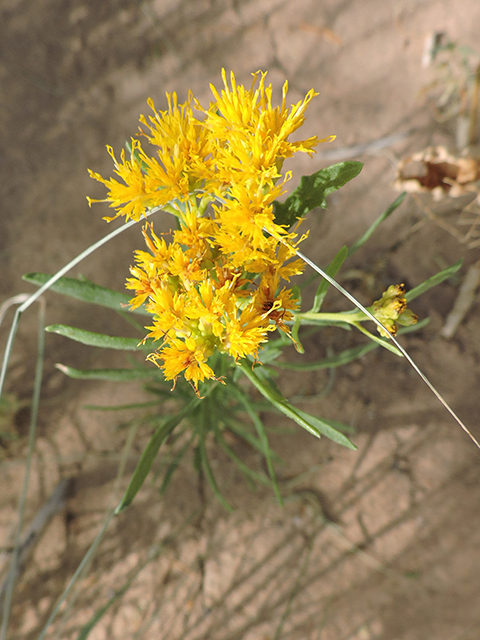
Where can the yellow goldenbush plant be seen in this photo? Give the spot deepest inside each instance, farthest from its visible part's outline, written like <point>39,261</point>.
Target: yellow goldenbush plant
<point>216,287</point>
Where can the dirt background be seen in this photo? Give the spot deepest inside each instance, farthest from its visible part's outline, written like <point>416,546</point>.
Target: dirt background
<point>378,544</point>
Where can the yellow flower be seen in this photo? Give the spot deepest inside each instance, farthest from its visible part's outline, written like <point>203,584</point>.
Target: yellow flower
<point>181,138</point>
<point>132,198</point>
<point>216,284</point>
<point>169,314</point>
<point>184,356</point>
<point>209,304</point>
<point>242,138</point>
<point>251,135</point>
<point>244,336</point>
<point>249,212</point>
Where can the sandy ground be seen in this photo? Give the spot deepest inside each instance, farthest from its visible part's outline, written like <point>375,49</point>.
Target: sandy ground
<point>382,543</point>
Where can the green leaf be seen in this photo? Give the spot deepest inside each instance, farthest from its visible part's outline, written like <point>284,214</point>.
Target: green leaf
<point>313,190</point>
<point>101,611</point>
<point>327,429</point>
<point>262,436</point>
<point>249,474</point>
<point>150,453</point>
<point>339,426</point>
<point>346,356</point>
<point>433,281</point>
<point>172,467</point>
<point>113,375</point>
<point>282,404</point>
<point>383,342</point>
<point>240,431</point>
<point>121,407</point>
<point>330,363</point>
<point>332,271</point>
<point>83,289</point>
<point>296,337</point>
<point>396,203</point>
<point>210,475</point>
<point>98,339</point>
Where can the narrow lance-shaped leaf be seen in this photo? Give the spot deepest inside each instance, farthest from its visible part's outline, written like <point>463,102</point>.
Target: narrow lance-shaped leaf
<point>327,429</point>
<point>99,339</point>
<point>250,475</point>
<point>112,375</point>
<point>239,430</point>
<point>205,463</point>
<point>433,281</point>
<point>332,271</point>
<point>83,289</point>
<point>346,356</point>
<point>262,435</point>
<point>332,362</point>
<point>150,453</point>
<point>315,426</point>
<point>313,190</point>
<point>395,204</point>
<point>167,476</point>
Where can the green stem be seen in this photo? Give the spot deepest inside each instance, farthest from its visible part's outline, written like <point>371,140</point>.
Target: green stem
<point>350,317</point>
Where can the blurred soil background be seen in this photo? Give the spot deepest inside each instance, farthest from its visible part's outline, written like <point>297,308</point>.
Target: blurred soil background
<point>378,544</point>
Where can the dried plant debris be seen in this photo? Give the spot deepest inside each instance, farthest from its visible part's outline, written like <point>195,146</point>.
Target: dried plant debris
<point>464,301</point>
<point>439,172</point>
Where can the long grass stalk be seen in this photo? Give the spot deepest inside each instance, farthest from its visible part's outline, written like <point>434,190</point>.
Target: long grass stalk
<point>12,573</point>
<point>405,354</point>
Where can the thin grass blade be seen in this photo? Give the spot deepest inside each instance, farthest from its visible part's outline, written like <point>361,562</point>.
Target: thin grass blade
<point>236,428</point>
<point>249,474</point>
<point>352,299</point>
<point>173,466</point>
<point>78,572</point>
<point>10,581</point>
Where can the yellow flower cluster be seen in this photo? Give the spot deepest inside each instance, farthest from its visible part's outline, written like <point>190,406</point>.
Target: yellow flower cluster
<point>217,284</point>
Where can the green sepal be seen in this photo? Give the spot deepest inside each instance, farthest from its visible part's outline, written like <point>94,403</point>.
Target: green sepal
<point>295,336</point>
<point>313,190</point>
